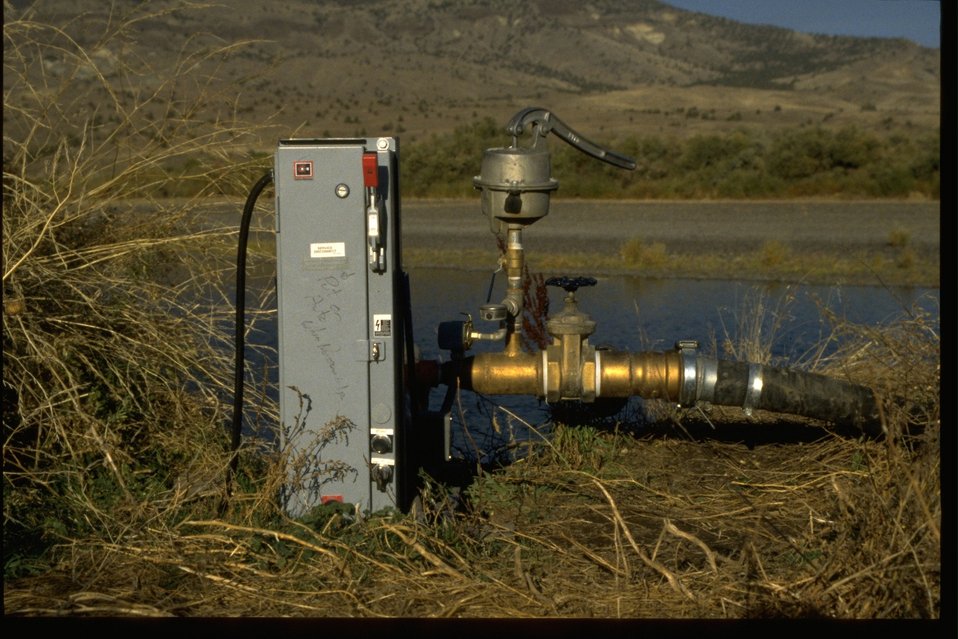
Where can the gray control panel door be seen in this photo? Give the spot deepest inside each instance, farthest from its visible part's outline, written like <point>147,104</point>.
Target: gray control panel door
<point>339,352</point>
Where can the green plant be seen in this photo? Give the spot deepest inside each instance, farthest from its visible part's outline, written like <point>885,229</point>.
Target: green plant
<point>898,238</point>
<point>906,258</point>
<point>773,253</point>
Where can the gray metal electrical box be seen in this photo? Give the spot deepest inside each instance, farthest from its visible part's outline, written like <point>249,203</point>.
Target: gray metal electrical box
<point>340,298</point>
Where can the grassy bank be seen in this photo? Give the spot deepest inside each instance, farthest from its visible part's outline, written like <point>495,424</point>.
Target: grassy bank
<point>892,266</point>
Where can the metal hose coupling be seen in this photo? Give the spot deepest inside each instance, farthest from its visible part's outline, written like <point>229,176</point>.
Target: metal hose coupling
<point>699,374</point>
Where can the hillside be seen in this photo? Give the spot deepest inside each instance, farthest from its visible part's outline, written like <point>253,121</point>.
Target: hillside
<point>415,67</point>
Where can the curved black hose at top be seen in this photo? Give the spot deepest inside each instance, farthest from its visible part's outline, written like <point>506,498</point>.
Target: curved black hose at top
<point>240,343</point>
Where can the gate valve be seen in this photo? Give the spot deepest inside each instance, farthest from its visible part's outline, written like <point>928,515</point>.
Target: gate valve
<point>570,320</point>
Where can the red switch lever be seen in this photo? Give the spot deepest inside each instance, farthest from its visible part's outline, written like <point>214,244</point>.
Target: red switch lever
<point>370,170</point>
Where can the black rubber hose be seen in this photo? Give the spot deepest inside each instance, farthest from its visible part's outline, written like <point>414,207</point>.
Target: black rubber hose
<point>800,393</point>
<point>240,342</point>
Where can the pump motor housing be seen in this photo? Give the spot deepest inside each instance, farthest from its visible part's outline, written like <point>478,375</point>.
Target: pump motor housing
<point>515,185</point>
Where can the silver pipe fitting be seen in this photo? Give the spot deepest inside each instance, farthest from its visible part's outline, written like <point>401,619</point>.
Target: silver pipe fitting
<point>489,337</point>
<point>699,374</point>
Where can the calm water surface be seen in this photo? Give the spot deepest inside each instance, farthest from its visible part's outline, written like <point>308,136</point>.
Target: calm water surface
<point>635,313</point>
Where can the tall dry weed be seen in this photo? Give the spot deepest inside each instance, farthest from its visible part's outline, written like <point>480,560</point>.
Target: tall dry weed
<point>115,374</point>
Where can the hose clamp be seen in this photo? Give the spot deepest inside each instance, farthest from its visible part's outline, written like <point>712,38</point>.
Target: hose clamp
<point>687,349</point>
<point>753,389</point>
<point>707,378</point>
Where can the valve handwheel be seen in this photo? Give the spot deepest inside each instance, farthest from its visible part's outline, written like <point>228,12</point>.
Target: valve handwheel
<point>570,284</point>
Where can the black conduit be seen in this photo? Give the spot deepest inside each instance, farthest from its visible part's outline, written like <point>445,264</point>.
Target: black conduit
<point>240,343</point>
<point>799,393</point>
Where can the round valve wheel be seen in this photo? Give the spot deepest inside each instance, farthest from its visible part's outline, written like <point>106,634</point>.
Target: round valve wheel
<point>570,284</point>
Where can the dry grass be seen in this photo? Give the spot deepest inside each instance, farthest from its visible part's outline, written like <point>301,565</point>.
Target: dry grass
<point>638,254</point>
<point>114,373</point>
<point>695,515</point>
<point>593,524</point>
<point>115,448</point>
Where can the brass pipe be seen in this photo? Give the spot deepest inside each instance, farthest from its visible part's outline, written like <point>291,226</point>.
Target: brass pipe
<point>651,375</point>
<point>672,376</point>
<point>500,373</point>
<point>513,342</point>
<point>613,374</point>
<point>514,261</point>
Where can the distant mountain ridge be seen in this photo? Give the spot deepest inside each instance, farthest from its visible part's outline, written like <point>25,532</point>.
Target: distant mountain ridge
<point>364,64</point>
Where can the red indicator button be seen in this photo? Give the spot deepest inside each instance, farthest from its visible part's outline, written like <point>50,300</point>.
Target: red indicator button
<point>303,170</point>
<point>370,170</point>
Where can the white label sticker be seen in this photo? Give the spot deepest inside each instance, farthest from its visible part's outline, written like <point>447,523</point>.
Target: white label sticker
<point>382,325</point>
<point>327,249</point>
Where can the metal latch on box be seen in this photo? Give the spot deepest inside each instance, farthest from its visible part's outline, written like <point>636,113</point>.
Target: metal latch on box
<point>370,350</point>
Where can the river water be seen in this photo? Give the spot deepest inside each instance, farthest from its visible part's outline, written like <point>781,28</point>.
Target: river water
<point>634,313</point>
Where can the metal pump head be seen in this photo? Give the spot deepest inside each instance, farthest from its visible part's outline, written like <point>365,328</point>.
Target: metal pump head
<point>516,182</point>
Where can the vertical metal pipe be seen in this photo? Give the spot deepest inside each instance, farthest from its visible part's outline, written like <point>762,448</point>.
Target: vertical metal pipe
<point>514,294</point>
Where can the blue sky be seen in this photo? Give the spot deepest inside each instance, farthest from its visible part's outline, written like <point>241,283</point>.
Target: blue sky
<point>916,20</point>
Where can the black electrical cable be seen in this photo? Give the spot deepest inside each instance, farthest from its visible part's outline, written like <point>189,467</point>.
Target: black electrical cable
<point>239,365</point>
<point>410,346</point>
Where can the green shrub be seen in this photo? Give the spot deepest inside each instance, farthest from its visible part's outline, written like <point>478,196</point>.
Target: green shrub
<point>898,238</point>
<point>636,252</point>
<point>798,162</point>
<point>773,253</point>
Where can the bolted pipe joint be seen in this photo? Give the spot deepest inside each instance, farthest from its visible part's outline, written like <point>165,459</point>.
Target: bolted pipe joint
<point>699,375</point>
<point>569,370</point>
